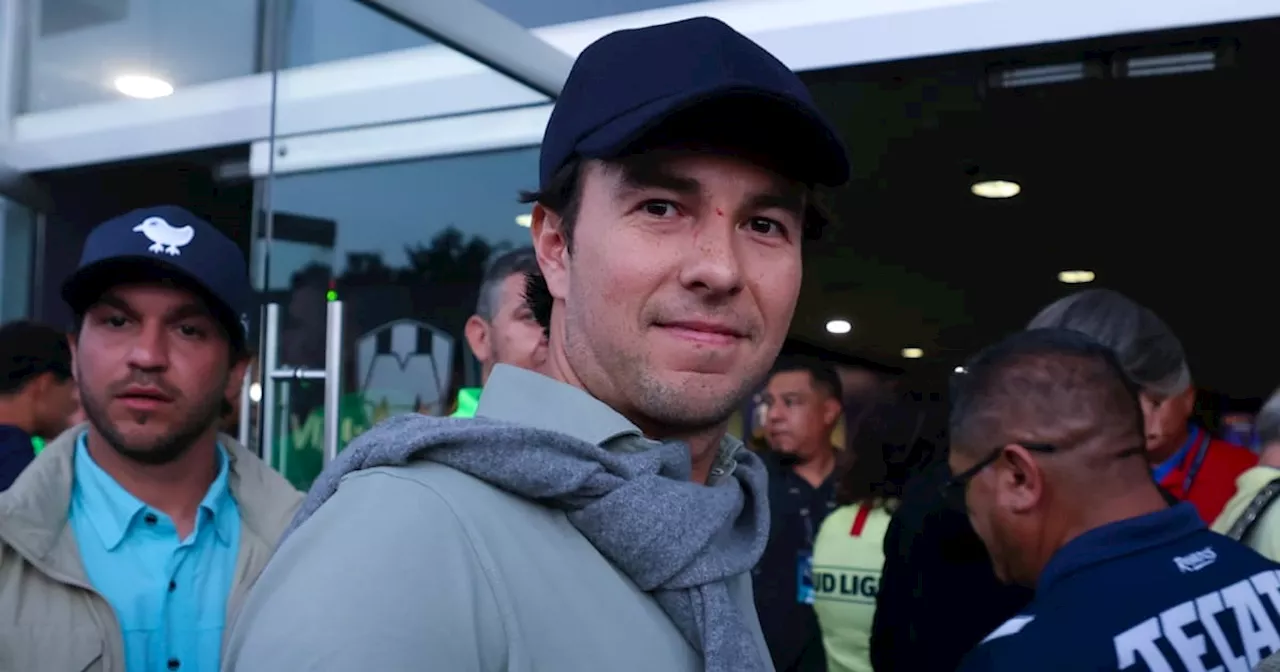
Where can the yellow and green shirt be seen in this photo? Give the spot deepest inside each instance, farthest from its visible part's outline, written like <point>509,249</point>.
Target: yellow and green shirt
<point>848,556</point>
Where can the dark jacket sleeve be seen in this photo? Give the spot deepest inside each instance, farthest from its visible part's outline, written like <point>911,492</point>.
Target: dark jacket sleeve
<point>938,595</point>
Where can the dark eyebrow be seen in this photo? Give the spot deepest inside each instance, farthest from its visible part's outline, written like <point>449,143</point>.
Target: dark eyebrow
<point>183,312</point>
<point>790,201</point>
<point>643,175</point>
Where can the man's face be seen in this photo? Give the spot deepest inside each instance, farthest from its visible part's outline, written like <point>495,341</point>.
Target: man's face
<point>680,286</point>
<point>800,416</point>
<point>56,404</point>
<point>153,369</point>
<point>513,336</point>
<point>1166,422</point>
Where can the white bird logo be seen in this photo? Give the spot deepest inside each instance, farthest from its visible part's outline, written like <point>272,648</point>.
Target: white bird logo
<point>165,239</point>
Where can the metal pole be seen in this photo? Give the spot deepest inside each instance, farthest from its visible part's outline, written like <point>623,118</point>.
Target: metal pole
<point>478,31</point>
<point>332,381</point>
<point>270,359</point>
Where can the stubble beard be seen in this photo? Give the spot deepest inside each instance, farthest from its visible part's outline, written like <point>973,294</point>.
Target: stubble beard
<point>164,449</point>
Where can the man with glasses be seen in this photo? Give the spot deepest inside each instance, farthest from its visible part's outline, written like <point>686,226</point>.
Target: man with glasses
<point>1048,456</point>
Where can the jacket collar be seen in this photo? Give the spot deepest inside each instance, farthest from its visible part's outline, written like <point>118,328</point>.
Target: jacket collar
<point>1119,539</point>
<point>33,511</point>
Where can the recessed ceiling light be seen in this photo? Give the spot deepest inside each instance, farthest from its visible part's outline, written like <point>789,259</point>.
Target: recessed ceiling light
<point>961,369</point>
<point>143,86</point>
<point>1075,277</point>
<point>839,327</point>
<point>996,189</point>
<point>524,220</point>
<point>912,353</point>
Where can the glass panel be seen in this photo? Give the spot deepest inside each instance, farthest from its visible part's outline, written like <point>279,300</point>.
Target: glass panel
<point>404,246</point>
<point>78,51</point>
<point>319,31</point>
<point>552,12</point>
<point>328,30</point>
<point>17,238</point>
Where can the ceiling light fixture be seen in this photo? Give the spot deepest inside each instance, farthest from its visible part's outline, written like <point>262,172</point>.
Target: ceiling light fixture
<point>839,327</point>
<point>145,87</point>
<point>996,189</point>
<point>912,353</point>
<point>960,369</point>
<point>524,220</point>
<point>1075,277</point>
<point>255,392</point>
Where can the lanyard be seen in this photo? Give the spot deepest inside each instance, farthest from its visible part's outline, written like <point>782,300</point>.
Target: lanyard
<point>1196,463</point>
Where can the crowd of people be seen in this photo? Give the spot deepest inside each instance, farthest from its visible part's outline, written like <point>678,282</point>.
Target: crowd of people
<point>1050,507</point>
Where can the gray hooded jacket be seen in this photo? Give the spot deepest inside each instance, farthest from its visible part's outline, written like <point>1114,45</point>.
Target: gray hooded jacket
<point>545,534</point>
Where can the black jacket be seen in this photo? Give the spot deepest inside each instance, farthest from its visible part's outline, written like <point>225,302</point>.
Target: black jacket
<point>938,595</point>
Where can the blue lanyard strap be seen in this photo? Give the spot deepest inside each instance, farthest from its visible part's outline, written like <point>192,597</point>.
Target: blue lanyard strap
<point>1196,463</point>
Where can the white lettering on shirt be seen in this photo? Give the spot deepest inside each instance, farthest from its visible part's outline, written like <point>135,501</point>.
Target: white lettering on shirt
<point>1194,630</point>
<point>1194,562</point>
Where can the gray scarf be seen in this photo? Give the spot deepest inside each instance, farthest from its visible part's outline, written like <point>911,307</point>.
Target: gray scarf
<point>676,539</point>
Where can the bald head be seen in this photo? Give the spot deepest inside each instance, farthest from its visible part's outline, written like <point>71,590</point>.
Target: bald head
<point>1054,386</point>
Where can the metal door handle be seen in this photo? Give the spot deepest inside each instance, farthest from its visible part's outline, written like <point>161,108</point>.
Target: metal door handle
<point>331,374</point>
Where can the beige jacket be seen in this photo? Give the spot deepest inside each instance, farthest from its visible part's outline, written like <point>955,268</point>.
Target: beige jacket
<point>51,619</point>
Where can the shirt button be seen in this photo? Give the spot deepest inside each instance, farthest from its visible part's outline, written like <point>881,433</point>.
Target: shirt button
<point>173,585</point>
<point>151,519</point>
<point>174,663</point>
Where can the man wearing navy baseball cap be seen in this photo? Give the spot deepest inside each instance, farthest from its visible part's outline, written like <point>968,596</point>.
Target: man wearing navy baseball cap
<point>597,517</point>
<point>139,532</point>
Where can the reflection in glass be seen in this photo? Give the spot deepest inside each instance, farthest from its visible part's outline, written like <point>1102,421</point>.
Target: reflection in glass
<point>17,252</point>
<point>404,246</point>
<point>78,50</point>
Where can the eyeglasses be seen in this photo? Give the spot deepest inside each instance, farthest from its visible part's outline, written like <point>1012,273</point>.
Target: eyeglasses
<point>955,486</point>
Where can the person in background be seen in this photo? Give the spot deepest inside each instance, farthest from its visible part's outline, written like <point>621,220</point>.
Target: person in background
<point>597,516</point>
<point>37,394</point>
<point>503,329</point>
<point>1048,455</point>
<point>802,400</point>
<point>935,567</point>
<point>1250,517</point>
<point>849,552</point>
<point>131,541</point>
<point>1186,461</point>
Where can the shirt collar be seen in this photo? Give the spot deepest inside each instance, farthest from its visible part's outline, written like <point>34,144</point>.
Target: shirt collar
<point>114,510</point>
<point>1119,539</point>
<point>517,395</point>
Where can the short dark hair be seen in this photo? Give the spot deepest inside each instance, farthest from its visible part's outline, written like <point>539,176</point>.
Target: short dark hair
<point>28,350</point>
<point>823,375</point>
<point>563,196</point>
<point>1058,380</point>
<point>520,260</point>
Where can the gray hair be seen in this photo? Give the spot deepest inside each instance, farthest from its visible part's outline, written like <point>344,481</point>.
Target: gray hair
<point>520,260</point>
<point>1267,424</point>
<point>1150,353</point>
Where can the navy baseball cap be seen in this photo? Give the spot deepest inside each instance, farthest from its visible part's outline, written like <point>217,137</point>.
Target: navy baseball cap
<point>630,84</point>
<point>165,243</point>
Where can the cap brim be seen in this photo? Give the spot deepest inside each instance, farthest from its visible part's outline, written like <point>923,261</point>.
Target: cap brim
<point>781,128</point>
<point>87,285</point>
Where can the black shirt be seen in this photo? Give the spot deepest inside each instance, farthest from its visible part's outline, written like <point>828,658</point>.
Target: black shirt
<point>16,452</point>
<point>938,594</point>
<point>797,510</point>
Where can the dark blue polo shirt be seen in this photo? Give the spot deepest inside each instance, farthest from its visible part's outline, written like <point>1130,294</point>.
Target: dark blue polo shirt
<point>16,452</point>
<point>1158,592</point>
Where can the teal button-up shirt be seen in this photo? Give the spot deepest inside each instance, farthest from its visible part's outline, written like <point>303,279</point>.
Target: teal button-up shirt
<point>169,594</point>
